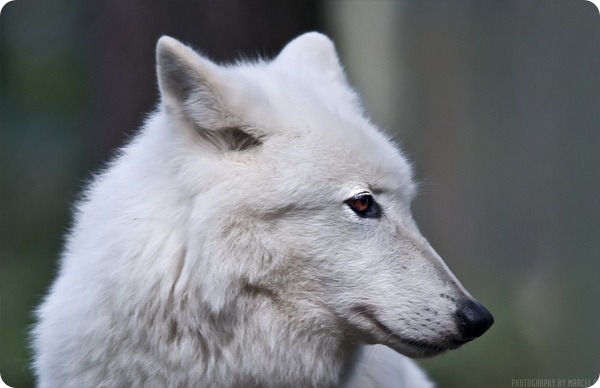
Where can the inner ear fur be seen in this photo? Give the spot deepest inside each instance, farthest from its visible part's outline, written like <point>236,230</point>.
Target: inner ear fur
<point>179,71</point>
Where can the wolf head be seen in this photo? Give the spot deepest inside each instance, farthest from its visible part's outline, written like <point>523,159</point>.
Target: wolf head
<point>298,199</point>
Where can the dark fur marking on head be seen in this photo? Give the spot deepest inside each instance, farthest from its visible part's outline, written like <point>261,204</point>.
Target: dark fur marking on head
<point>230,138</point>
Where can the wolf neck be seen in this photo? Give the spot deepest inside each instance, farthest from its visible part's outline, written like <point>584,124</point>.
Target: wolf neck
<point>272,343</point>
<point>258,338</point>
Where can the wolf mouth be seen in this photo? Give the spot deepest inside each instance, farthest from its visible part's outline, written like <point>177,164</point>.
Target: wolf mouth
<point>413,347</point>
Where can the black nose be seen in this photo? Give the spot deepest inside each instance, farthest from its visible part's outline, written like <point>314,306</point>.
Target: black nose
<point>473,319</point>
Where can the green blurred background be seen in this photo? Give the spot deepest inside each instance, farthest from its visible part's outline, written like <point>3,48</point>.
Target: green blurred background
<point>496,103</point>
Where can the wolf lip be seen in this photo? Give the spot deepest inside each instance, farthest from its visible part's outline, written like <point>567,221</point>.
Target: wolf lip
<point>407,346</point>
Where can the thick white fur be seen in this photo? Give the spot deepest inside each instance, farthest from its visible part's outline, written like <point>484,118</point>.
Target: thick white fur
<point>217,250</point>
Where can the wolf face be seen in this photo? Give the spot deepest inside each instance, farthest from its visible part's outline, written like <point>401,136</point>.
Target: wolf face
<point>298,200</point>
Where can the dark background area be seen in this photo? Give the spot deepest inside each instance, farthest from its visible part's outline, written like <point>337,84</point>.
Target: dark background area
<point>495,102</point>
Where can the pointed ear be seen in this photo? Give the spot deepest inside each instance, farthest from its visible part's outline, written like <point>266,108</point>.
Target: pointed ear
<point>314,53</point>
<point>192,88</point>
<point>313,56</point>
<point>189,84</point>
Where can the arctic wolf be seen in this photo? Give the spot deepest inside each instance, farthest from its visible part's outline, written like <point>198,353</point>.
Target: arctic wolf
<point>256,232</point>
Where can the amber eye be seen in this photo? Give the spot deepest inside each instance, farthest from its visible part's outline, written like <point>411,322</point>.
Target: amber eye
<point>364,205</point>
<point>360,203</point>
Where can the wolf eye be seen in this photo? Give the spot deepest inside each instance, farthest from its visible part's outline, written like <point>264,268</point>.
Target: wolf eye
<point>364,205</point>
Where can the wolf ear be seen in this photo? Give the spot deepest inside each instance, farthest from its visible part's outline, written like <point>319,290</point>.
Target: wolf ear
<point>189,84</point>
<point>315,54</point>
<point>192,88</point>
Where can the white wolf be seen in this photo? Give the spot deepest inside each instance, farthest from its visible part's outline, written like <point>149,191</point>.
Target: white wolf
<point>256,232</point>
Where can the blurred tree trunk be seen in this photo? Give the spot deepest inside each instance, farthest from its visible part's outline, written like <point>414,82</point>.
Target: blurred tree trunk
<point>122,37</point>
